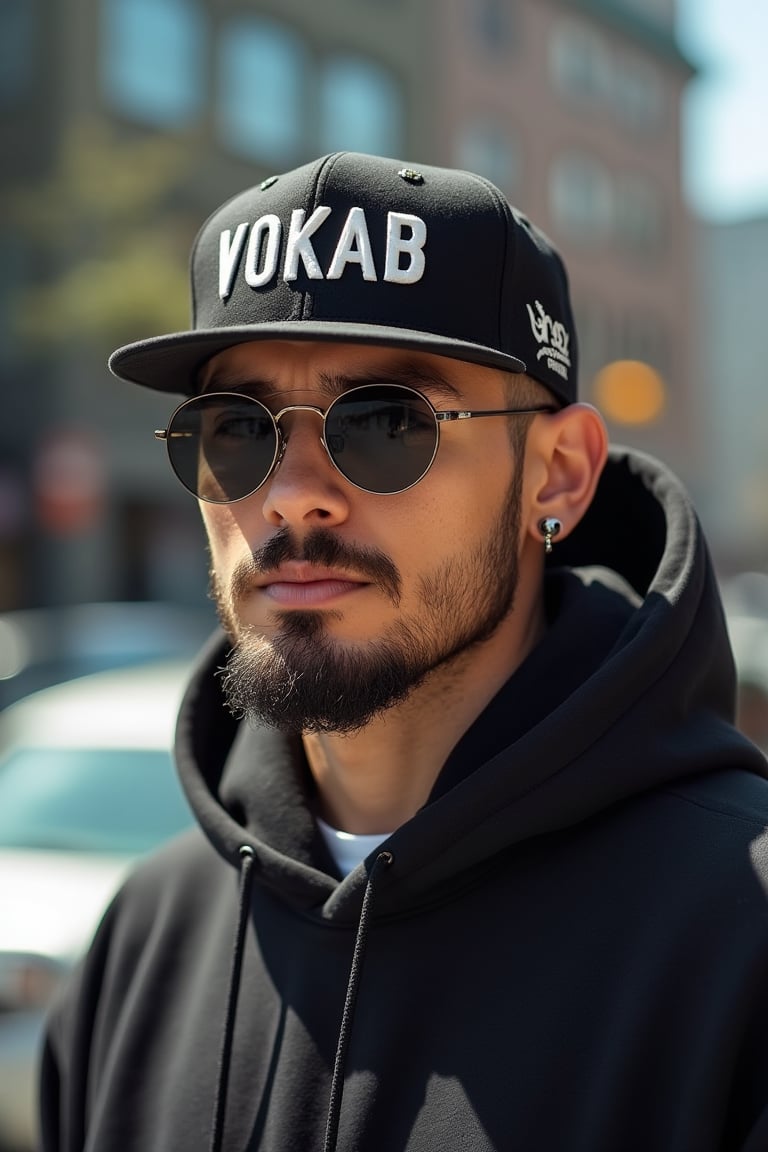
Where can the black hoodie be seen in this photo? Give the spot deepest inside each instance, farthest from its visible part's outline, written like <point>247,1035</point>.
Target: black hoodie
<point>565,949</point>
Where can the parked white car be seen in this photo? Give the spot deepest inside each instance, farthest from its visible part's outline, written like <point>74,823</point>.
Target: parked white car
<point>87,785</point>
<point>44,646</point>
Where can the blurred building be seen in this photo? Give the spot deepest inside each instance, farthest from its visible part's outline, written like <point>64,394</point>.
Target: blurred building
<point>574,109</point>
<point>129,120</point>
<point>731,365</point>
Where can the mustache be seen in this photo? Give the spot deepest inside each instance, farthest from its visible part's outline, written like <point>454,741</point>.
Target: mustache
<point>322,548</point>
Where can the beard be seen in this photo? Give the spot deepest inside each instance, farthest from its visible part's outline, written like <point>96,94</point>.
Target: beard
<point>301,679</point>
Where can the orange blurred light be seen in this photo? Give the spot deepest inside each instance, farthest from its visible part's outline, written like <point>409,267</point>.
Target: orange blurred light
<point>630,392</point>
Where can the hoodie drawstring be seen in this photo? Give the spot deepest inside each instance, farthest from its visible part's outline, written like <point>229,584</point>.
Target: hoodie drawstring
<point>383,860</point>
<point>244,903</point>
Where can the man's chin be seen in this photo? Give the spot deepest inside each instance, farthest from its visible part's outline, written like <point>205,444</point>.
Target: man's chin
<point>305,682</point>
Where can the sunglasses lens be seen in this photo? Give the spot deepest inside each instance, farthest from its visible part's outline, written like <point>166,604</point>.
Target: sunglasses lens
<point>222,448</point>
<point>383,438</point>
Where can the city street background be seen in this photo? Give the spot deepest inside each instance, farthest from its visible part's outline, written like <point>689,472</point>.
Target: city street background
<point>633,131</point>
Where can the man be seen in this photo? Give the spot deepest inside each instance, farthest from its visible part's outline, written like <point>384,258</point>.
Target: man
<point>481,860</point>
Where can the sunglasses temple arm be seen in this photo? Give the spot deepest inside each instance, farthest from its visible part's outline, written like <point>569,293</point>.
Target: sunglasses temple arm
<point>462,414</point>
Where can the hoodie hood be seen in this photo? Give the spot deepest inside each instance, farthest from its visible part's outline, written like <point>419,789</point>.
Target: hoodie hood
<point>631,689</point>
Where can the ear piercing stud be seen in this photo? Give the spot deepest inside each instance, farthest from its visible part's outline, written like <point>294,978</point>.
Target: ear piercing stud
<point>549,528</point>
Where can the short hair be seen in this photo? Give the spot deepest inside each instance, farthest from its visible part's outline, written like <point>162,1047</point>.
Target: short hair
<point>522,391</point>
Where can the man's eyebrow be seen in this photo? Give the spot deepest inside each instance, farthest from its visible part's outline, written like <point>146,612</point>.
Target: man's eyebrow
<point>223,381</point>
<point>333,384</point>
<point>407,373</point>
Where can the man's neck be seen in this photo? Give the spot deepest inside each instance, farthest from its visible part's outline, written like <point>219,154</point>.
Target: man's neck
<point>373,780</point>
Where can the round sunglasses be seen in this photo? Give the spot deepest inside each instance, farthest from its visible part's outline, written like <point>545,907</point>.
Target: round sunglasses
<point>383,438</point>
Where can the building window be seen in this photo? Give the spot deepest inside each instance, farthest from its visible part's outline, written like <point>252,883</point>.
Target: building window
<point>261,96</point>
<point>580,62</point>
<point>638,94</point>
<point>492,23</point>
<point>638,214</point>
<point>581,197</point>
<point>152,60</point>
<point>361,107</point>
<point>17,50</point>
<point>487,147</point>
<point>583,67</point>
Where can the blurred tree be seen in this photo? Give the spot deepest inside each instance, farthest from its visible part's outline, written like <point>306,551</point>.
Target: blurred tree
<point>108,240</point>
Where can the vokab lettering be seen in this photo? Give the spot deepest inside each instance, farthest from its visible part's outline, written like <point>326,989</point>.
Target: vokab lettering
<point>258,247</point>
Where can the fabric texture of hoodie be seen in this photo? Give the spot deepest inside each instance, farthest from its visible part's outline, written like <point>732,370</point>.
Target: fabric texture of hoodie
<point>565,949</point>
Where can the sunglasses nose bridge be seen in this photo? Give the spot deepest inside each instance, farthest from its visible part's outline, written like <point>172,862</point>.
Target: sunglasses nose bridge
<point>277,417</point>
<point>283,437</point>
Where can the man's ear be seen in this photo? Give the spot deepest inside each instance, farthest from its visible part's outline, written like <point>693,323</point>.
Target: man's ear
<point>566,454</point>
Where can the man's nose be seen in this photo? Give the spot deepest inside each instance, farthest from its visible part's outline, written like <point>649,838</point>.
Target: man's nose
<point>305,489</point>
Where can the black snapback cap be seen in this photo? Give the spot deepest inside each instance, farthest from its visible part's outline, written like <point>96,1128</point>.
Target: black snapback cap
<point>369,250</point>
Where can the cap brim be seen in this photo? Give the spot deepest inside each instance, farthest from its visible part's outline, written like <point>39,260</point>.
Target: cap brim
<point>171,363</point>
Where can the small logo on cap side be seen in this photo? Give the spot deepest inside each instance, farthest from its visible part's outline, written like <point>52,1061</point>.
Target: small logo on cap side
<point>554,338</point>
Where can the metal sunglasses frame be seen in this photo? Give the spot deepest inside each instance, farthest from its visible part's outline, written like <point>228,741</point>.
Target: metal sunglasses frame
<point>441,416</point>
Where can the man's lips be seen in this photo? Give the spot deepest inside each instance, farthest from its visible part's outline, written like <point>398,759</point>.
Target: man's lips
<point>305,584</point>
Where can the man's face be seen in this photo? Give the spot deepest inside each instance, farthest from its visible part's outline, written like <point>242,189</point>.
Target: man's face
<point>341,601</point>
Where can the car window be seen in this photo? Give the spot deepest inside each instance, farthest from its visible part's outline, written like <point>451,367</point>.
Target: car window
<point>89,800</point>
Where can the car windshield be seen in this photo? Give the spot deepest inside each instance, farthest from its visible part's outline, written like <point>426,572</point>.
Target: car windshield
<point>115,800</point>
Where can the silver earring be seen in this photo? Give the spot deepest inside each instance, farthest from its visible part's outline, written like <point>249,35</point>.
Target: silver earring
<point>549,528</point>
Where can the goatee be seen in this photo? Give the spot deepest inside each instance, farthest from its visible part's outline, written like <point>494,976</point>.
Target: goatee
<point>302,679</point>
